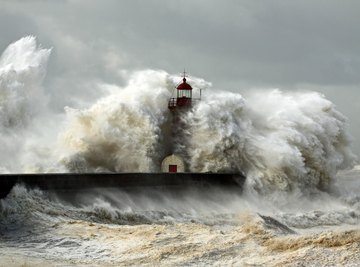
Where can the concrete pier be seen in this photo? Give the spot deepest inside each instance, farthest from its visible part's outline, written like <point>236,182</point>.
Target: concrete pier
<point>80,181</point>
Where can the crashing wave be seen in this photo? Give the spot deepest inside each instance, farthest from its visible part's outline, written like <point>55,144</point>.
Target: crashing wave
<point>279,140</point>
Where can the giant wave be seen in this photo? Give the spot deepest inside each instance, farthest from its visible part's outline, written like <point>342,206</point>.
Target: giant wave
<point>279,140</point>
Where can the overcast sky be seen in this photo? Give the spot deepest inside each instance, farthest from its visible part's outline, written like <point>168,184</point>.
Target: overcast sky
<point>237,45</point>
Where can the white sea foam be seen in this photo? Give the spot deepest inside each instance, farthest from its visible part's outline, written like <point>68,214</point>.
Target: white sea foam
<point>209,228</point>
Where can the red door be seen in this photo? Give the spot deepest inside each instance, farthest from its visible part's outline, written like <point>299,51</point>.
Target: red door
<point>172,168</point>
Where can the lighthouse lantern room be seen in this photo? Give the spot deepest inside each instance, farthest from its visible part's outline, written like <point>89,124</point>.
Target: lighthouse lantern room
<point>183,95</point>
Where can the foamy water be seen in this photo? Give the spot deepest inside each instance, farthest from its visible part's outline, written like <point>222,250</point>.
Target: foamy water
<point>198,228</point>
<point>300,204</point>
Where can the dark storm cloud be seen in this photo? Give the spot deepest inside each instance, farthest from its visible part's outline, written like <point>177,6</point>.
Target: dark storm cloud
<point>234,44</point>
<point>284,41</point>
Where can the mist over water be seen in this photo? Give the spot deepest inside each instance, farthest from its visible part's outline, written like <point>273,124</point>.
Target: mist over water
<point>293,148</point>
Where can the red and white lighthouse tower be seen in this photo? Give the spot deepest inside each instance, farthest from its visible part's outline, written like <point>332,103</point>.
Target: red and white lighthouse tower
<point>178,106</point>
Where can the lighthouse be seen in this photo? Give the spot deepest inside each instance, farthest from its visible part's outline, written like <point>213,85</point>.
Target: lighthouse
<point>178,106</point>
<point>175,172</point>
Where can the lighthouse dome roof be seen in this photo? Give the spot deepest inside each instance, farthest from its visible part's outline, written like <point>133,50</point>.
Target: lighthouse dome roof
<point>184,85</point>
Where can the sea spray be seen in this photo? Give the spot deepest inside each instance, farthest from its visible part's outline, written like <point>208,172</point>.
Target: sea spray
<point>22,99</point>
<point>22,70</point>
<point>121,132</point>
<point>299,142</point>
<point>279,140</point>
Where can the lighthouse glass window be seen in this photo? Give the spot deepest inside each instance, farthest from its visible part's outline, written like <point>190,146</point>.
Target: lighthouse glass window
<point>184,93</point>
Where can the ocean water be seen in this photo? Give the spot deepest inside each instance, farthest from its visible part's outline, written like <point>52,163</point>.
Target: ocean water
<point>114,228</point>
<point>299,205</point>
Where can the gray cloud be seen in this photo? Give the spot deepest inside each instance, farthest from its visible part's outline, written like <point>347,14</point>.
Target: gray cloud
<point>234,44</point>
